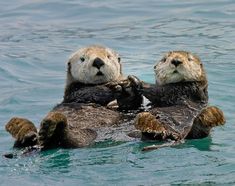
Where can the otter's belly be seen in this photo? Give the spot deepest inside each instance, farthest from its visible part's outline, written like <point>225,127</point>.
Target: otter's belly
<point>88,116</point>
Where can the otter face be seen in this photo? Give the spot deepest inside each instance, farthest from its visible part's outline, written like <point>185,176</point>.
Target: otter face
<point>94,65</point>
<point>178,66</point>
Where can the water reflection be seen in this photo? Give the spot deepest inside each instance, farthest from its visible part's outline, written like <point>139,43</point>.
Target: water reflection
<point>56,160</point>
<point>199,144</point>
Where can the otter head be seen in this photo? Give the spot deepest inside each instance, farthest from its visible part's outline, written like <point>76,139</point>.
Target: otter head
<point>179,66</point>
<point>93,65</point>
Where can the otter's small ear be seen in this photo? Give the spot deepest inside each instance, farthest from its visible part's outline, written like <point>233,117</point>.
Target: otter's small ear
<point>69,66</point>
<point>190,57</point>
<point>119,59</point>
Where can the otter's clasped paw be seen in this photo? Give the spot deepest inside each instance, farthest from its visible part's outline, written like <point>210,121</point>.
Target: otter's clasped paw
<point>127,93</point>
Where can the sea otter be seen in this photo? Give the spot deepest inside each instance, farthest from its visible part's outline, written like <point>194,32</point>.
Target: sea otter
<point>179,100</point>
<point>94,76</point>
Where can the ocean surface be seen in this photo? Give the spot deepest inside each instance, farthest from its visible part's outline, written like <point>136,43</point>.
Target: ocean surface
<point>36,39</point>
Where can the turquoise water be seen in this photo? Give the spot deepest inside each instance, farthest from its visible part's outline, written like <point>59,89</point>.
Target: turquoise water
<point>36,38</point>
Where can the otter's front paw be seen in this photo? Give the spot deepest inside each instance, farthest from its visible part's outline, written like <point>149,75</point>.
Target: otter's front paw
<point>23,131</point>
<point>52,130</point>
<point>128,94</point>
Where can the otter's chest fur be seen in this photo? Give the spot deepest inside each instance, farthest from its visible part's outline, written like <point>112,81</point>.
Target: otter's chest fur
<point>85,107</point>
<point>176,94</point>
<point>81,93</point>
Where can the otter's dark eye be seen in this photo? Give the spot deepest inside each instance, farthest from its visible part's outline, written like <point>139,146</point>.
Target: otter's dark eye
<point>82,59</point>
<point>119,59</point>
<point>109,56</point>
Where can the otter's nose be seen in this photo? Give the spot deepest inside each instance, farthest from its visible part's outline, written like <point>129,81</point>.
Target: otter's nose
<point>98,63</point>
<point>176,62</point>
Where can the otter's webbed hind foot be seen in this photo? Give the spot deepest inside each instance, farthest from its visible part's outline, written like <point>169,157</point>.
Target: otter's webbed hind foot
<point>52,130</point>
<point>209,117</point>
<point>23,131</point>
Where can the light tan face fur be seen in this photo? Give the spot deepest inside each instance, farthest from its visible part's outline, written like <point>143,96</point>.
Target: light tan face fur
<point>178,66</point>
<point>82,66</point>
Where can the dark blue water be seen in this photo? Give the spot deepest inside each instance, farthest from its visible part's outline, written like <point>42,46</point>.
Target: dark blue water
<point>36,38</point>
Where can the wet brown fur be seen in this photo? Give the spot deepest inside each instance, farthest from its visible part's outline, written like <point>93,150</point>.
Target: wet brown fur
<point>76,121</point>
<point>153,128</point>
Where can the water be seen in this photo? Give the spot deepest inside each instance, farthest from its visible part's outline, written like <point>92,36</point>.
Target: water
<point>36,38</point>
